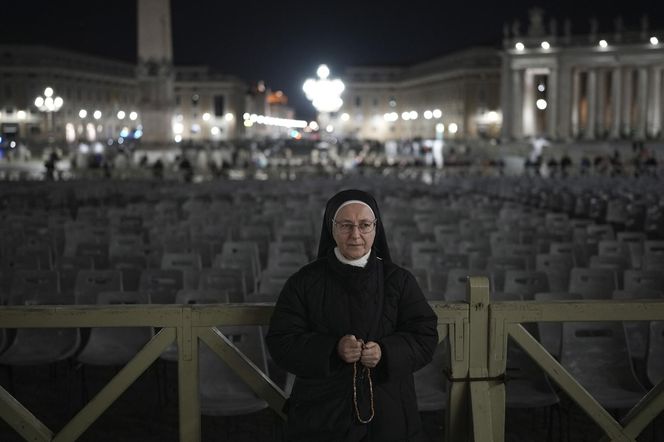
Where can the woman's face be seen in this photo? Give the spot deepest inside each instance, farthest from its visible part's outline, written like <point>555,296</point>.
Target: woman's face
<point>353,245</point>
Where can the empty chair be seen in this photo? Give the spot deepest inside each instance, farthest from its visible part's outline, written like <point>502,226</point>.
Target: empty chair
<point>634,242</point>
<point>550,333</point>
<point>68,267</point>
<point>617,264</point>
<point>287,261</point>
<point>161,285</point>
<point>131,267</point>
<point>457,279</point>
<point>525,283</point>
<point>636,280</point>
<point>189,263</point>
<point>430,383</point>
<point>597,356</point>
<point>98,252</point>
<point>593,283</point>
<point>124,244</point>
<point>241,255</point>
<point>527,386</point>
<point>228,282</point>
<point>271,283</point>
<point>597,232</point>
<point>557,268</point>
<point>28,283</point>
<point>115,345</point>
<point>222,391</point>
<point>277,248</point>
<point>637,331</point>
<point>423,253</point>
<point>89,283</point>
<point>655,362</point>
<point>498,265</point>
<point>653,255</point>
<point>36,346</point>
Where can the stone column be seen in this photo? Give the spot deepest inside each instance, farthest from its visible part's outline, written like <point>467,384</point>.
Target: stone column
<point>616,102</point>
<point>591,97</point>
<point>576,93</point>
<point>655,102</point>
<point>564,93</point>
<point>642,101</point>
<point>552,109</point>
<point>517,103</point>
<point>600,127</point>
<point>626,123</point>
<point>506,102</point>
<point>529,108</point>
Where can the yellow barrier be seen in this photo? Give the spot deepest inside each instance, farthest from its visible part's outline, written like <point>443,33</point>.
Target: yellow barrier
<point>477,331</point>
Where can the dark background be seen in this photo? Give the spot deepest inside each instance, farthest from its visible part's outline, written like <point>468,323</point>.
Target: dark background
<point>283,42</point>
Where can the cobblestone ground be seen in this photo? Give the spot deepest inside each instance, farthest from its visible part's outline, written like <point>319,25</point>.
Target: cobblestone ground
<point>143,414</point>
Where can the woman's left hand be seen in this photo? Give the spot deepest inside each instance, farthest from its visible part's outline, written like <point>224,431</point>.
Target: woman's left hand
<point>370,354</point>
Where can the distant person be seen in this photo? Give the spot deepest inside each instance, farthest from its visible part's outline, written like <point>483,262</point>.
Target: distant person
<point>565,165</point>
<point>186,169</point>
<point>158,169</point>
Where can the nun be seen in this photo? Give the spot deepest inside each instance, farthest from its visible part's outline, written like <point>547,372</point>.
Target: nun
<point>352,327</point>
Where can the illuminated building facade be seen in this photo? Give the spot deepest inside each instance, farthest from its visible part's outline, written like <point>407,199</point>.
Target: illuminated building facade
<point>461,91</point>
<point>595,86</point>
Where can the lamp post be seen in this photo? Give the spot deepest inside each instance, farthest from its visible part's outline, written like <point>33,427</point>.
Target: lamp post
<point>49,104</point>
<point>324,93</point>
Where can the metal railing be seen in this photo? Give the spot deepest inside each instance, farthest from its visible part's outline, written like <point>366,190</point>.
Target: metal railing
<point>477,331</point>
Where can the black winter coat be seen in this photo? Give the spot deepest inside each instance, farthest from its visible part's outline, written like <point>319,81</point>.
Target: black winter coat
<point>310,318</point>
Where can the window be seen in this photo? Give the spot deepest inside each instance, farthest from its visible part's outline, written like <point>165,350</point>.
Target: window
<point>358,101</point>
<point>219,104</point>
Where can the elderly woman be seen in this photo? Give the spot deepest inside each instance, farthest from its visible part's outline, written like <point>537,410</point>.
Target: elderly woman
<point>353,327</point>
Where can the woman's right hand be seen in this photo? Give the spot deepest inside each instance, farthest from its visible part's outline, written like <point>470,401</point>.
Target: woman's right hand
<point>349,349</point>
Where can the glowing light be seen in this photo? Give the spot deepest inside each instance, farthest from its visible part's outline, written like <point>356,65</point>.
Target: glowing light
<point>453,128</point>
<point>215,131</point>
<point>178,128</point>
<point>133,115</point>
<point>48,92</point>
<point>97,114</point>
<point>82,113</point>
<point>229,117</point>
<point>124,133</point>
<point>248,123</point>
<point>177,138</point>
<point>437,113</point>
<point>324,94</point>
<point>90,132</point>
<point>12,144</point>
<point>120,140</point>
<point>314,126</point>
<point>541,87</point>
<point>179,117</point>
<point>21,115</point>
<point>405,116</point>
<point>654,41</point>
<point>98,148</point>
<point>603,44</point>
<point>545,45</point>
<point>83,148</point>
<point>323,71</point>
<point>70,133</point>
<point>138,133</point>
<point>39,101</point>
<point>541,104</point>
<point>440,128</point>
<point>58,102</point>
<point>345,116</point>
<point>329,128</point>
<point>428,114</point>
<point>121,115</point>
<point>195,128</point>
<point>413,115</point>
<point>206,116</point>
<point>519,46</point>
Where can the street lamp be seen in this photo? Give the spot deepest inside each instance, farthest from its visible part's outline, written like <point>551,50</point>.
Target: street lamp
<point>49,104</point>
<point>324,93</point>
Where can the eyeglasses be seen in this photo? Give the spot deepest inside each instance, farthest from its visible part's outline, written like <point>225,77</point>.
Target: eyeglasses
<point>364,226</point>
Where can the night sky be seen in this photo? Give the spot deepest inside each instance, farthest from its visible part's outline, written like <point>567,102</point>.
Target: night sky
<point>283,42</point>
